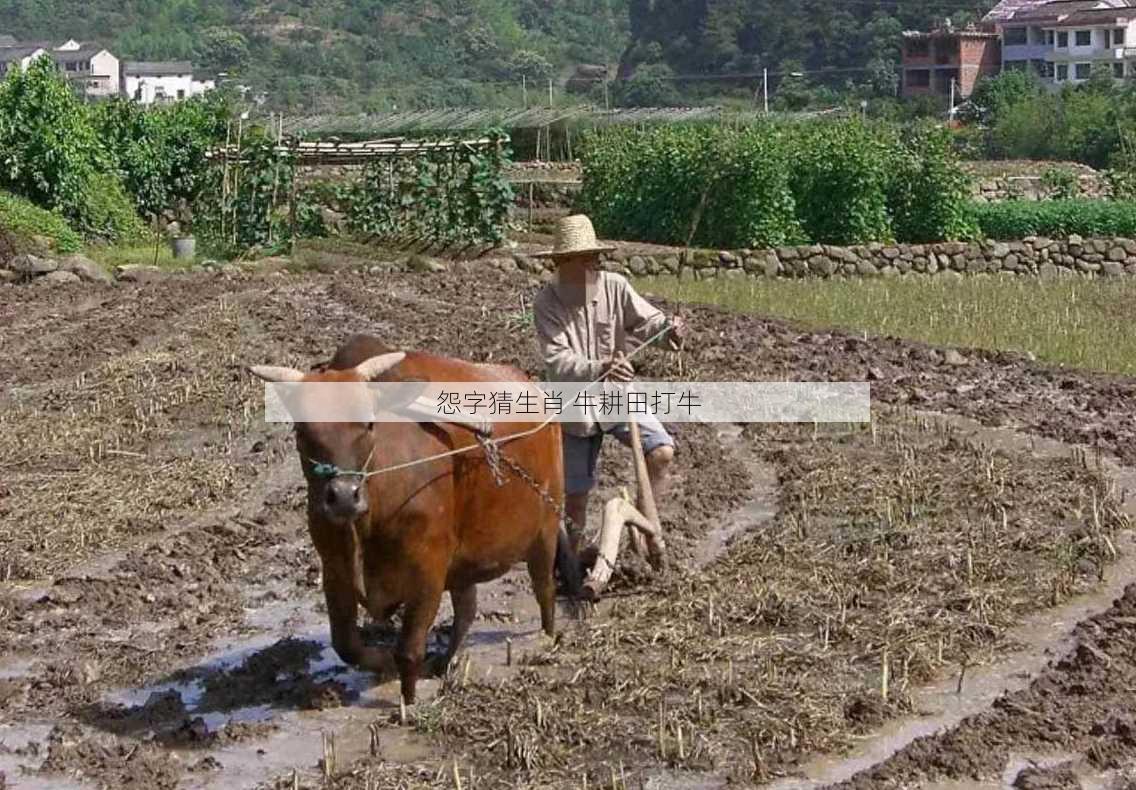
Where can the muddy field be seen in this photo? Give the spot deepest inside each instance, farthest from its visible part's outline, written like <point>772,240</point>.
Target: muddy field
<point>161,623</point>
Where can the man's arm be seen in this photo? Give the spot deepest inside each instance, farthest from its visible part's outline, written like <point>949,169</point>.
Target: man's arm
<point>642,320</point>
<point>560,361</point>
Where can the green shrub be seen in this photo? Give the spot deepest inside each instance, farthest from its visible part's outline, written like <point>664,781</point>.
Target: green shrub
<point>929,194</point>
<point>24,219</point>
<point>48,149</point>
<point>1020,218</point>
<point>108,213</point>
<point>840,181</point>
<point>702,184</point>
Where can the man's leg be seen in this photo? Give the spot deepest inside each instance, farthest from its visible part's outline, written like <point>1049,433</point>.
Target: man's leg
<point>580,457</point>
<point>658,449</point>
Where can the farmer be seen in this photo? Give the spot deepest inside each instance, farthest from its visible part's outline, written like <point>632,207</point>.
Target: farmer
<point>586,321</point>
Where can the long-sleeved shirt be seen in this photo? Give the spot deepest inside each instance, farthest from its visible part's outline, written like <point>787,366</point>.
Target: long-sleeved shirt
<point>576,340</point>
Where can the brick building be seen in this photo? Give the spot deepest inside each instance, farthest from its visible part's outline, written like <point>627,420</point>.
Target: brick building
<point>931,61</point>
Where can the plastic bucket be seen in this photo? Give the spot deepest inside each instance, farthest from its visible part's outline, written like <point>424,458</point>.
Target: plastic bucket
<point>184,248</point>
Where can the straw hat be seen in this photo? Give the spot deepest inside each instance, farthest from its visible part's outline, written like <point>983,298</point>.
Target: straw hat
<point>574,236</point>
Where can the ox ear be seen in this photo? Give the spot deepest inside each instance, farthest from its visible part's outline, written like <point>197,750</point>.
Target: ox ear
<point>377,366</point>
<point>274,374</point>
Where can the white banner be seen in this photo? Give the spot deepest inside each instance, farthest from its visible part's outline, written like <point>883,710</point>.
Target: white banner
<point>607,403</point>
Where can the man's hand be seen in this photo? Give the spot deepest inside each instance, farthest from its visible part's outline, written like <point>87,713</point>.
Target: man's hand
<point>619,369</point>
<point>677,336</point>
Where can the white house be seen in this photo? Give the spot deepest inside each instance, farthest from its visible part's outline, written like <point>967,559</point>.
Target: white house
<point>18,57</point>
<point>1065,40</point>
<point>161,82</point>
<point>94,70</point>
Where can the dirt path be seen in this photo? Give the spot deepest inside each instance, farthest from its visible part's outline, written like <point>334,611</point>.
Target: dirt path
<point>160,615</point>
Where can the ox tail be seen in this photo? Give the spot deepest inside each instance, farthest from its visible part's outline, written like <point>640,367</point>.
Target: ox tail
<point>568,565</point>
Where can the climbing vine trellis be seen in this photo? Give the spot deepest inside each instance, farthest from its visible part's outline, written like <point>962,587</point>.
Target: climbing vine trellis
<point>436,193</point>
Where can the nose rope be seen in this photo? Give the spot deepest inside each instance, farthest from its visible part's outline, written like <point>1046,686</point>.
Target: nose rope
<point>331,471</point>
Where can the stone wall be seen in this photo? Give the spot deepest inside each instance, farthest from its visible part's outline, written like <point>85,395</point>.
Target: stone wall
<point>1039,257</point>
<point>998,189</point>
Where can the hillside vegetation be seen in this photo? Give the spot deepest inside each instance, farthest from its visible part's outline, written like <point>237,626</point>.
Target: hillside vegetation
<point>381,54</point>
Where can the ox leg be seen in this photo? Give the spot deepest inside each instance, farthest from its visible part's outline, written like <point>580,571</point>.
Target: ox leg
<point>411,650</point>
<point>542,562</point>
<point>342,613</point>
<point>465,610</point>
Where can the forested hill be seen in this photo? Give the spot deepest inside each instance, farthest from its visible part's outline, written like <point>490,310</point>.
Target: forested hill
<point>375,54</point>
<point>825,38</point>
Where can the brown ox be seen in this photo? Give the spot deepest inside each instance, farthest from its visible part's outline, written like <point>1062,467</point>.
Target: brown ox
<point>404,537</point>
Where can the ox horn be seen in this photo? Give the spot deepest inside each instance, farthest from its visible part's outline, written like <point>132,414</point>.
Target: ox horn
<point>377,366</point>
<point>275,374</point>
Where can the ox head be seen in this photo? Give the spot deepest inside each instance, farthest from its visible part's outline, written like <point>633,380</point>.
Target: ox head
<point>335,455</point>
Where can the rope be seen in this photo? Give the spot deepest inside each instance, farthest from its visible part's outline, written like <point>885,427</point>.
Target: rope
<point>330,470</point>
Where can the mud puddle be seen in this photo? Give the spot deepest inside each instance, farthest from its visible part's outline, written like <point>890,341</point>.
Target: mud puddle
<point>1044,637</point>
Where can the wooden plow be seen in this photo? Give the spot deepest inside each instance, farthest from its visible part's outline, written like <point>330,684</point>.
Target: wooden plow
<point>646,535</point>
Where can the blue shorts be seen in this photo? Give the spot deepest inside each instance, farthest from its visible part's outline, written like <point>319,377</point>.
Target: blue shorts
<point>582,453</point>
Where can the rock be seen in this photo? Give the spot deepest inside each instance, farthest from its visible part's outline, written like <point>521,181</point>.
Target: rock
<point>144,273</point>
<point>1047,271</point>
<point>333,220</point>
<point>727,257</point>
<point>173,229</point>
<point>977,265</point>
<point>771,267</point>
<point>1117,254</point>
<point>867,269</point>
<point>85,268</point>
<point>32,265</point>
<point>90,672</point>
<point>891,253</point>
<point>1112,269</point>
<point>58,278</point>
<point>787,253</point>
<point>637,265</point>
<point>43,243</point>
<point>1011,262</point>
<point>889,271</point>
<point>954,358</point>
<point>1000,250</point>
<point>7,276</point>
<point>949,274</point>
<point>734,274</point>
<point>1076,240</point>
<point>671,264</point>
<point>822,265</point>
<point>527,264</point>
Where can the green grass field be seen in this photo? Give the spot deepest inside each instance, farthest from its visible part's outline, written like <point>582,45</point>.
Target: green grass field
<point>143,253</point>
<point>1080,323</point>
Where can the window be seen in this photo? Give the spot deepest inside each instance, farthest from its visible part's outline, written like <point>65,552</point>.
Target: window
<point>1050,37</point>
<point>1044,69</point>
<point>181,93</point>
<point>1107,38</point>
<point>1062,72</point>
<point>1118,70</point>
<point>1118,37</point>
<point>918,48</point>
<point>1014,36</point>
<point>1062,40</point>
<point>919,78</point>
<point>1082,71</point>
<point>1084,38</point>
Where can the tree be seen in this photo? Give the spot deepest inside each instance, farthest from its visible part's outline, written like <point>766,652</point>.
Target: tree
<point>652,85</point>
<point>533,65</point>
<point>222,49</point>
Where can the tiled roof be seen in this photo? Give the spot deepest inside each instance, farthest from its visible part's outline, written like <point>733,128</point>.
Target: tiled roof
<point>158,68</point>
<point>1008,8</point>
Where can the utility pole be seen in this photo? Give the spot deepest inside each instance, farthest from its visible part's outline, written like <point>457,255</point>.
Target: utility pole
<point>525,90</point>
<point>549,91</point>
<point>951,111</point>
<point>765,87</point>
